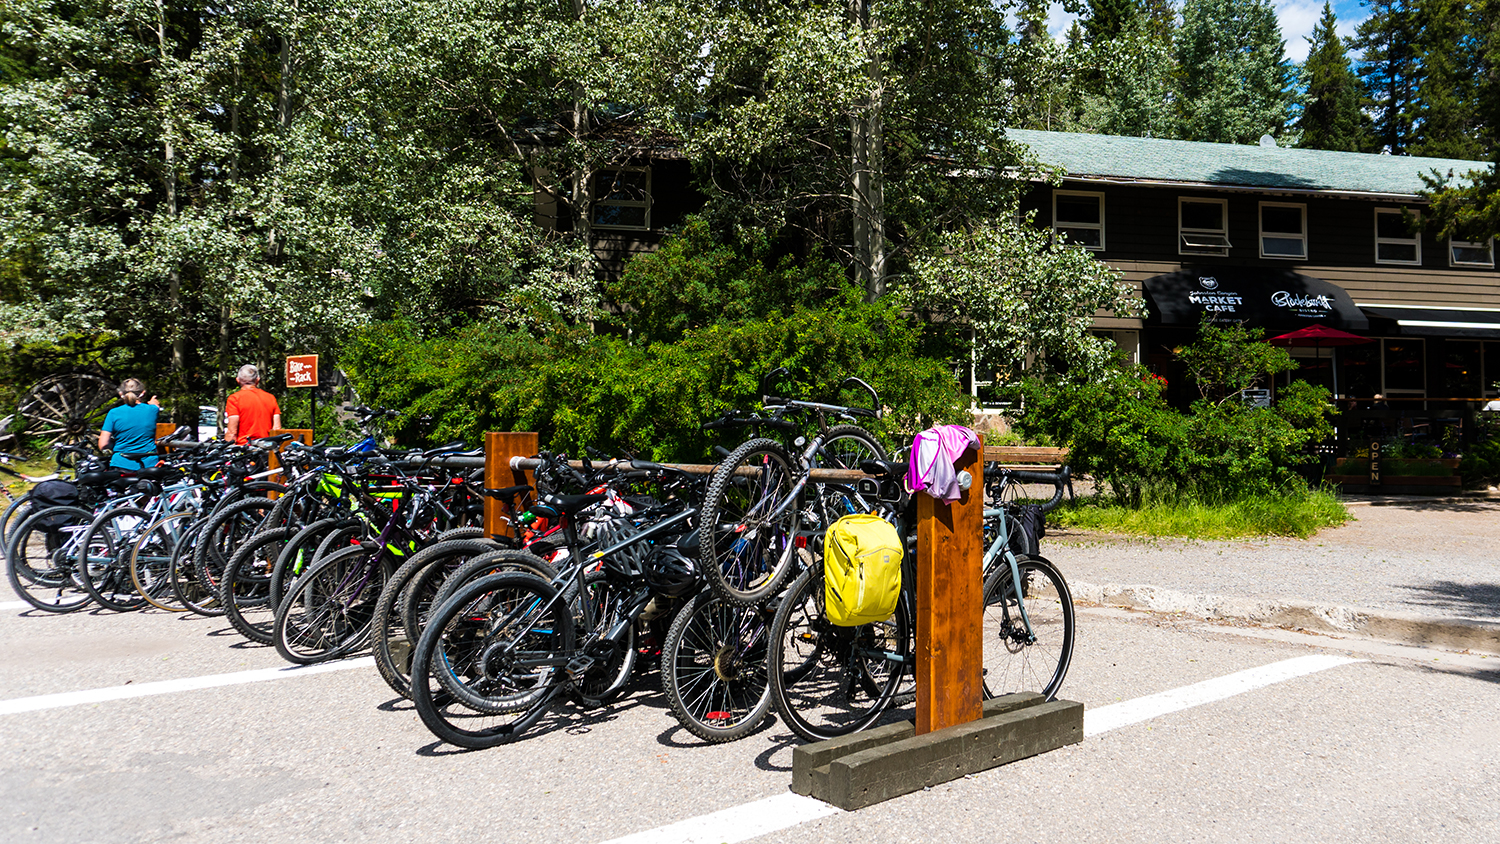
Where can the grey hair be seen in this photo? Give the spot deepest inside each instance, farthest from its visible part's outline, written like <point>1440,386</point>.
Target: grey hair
<point>131,390</point>
<point>248,374</point>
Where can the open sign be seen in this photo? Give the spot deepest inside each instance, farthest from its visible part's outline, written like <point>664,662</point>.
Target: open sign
<point>302,370</point>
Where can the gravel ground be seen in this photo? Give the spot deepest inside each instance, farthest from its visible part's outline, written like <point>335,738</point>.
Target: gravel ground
<point>1429,558</point>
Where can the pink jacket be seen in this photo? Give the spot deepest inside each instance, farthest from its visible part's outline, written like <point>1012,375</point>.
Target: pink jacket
<point>930,467</point>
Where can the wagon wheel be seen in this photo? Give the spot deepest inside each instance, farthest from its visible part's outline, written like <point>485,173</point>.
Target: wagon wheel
<point>65,409</point>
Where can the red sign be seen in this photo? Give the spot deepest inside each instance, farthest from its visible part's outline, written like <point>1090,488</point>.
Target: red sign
<point>302,370</point>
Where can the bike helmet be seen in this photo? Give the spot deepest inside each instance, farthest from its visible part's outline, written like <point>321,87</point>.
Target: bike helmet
<point>671,572</point>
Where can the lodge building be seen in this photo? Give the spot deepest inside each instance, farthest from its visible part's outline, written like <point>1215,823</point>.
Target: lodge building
<point>1284,239</point>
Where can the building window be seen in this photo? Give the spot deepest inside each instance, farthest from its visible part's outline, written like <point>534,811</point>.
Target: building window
<point>1397,241</point>
<point>1465,253</point>
<point>1202,226</point>
<point>1079,217</point>
<point>1283,230</point>
<point>622,198</point>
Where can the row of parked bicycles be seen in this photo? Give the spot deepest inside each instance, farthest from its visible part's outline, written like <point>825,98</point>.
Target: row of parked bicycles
<point>606,568</point>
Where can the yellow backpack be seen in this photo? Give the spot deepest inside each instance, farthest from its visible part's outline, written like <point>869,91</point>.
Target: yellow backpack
<point>861,570</point>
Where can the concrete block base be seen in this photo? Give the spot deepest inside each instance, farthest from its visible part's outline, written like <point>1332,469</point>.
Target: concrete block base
<point>866,768</point>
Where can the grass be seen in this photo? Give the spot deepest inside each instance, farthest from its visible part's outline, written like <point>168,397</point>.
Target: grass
<point>1300,515</point>
<point>35,467</point>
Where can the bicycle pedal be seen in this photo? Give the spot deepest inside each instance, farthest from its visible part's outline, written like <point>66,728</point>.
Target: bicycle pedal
<point>579,665</point>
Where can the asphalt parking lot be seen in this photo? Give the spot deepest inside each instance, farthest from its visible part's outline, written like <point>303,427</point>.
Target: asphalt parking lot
<point>1384,741</point>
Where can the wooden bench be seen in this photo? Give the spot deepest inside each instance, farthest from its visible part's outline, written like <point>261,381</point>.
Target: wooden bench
<point>1025,456</point>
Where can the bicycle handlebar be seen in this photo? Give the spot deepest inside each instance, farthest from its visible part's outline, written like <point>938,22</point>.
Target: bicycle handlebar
<point>1060,479</point>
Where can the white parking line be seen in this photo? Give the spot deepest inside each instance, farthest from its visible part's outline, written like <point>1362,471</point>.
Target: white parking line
<point>784,811</point>
<point>186,684</point>
<point>14,605</point>
<point>1106,718</point>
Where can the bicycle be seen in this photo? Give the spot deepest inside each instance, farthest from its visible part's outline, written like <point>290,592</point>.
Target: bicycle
<point>754,509</point>
<point>829,680</point>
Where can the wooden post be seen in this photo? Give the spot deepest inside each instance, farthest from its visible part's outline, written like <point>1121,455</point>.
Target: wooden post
<point>301,435</point>
<point>498,450</point>
<point>950,604</point>
<point>163,429</point>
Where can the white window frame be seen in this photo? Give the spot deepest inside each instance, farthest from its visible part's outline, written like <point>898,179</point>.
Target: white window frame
<point>1487,244</point>
<point>1095,226</point>
<point>646,204</point>
<point>1260,224</point>
<point>1414,240</point>
<point>1183,234</point>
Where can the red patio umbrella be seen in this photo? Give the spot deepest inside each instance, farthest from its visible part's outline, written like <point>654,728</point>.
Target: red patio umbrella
<point>1318,336</point>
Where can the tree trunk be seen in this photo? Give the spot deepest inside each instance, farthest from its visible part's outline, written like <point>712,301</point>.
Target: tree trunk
<point>867,163</point>
<point>169,164</point>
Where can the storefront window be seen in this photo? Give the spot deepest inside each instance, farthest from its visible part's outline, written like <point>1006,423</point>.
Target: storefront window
<point>1359,370</point>
<point>1461,362</point>
<point>1405,370</point>
<point>1491,368</point>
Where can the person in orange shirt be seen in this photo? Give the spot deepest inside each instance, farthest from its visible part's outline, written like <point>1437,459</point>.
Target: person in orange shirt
<point>250,412</point>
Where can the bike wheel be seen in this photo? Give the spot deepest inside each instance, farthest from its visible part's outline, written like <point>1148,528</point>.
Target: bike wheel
<point>191,591</point>
<point>497,647</point>
<point>16,511</point>
<point>844,447</point>
<point>42,558</point>
<point>327,612</point>
<point>749,525</point>
<point>151,560</point>
<point>389,640</point>
<point>223,535</point>
<point>106,544</point>
<point>829,680</point>
<point>713,668</point>
<point>245,590</point>
<point>603,681</point>
<point>1018,659</point>
<point>433,585</point>
<point>300,552</point>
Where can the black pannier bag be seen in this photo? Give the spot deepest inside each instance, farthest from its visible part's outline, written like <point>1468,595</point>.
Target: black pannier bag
<point>1027,527</point>
<point>53,494</point>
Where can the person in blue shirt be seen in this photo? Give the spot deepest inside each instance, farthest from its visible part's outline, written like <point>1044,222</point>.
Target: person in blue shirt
<point>130,428</point>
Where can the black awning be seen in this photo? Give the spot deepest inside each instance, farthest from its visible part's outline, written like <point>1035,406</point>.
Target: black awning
<point>1265,298</point>
<point>1434,322</point>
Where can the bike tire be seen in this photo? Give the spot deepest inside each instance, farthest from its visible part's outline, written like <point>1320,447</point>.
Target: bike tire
<point>300,552</point>
<point>713,668</point>
<point>327,613</point>
<point>151,558</point>
<point>42,558</point>
<point>106,544</point>
<point>191,591</point>
<point>604,681</point>
<point>245,590</point>
<point>747,549</point>
<point>14,513</point>
<point>223,534</point>
<point>827,680</point>
<point>495,647</point>
<point>1018,661</point>
<point>389,640</point>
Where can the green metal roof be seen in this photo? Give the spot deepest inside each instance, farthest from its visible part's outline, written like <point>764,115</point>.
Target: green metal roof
<point>1234,165</point>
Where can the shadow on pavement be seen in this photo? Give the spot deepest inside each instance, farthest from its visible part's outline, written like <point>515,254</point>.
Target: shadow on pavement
<point>1454,599</point>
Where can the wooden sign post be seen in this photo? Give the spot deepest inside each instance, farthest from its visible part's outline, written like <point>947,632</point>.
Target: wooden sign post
<point>302,371</point>
<point>950,603</point>
<point>301,435</point>
<point>498,450</point>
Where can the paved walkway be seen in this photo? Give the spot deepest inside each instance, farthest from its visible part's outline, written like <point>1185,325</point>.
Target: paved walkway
<point>1430,566</point>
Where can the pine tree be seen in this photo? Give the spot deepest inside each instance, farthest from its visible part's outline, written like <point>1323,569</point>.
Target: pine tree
<point>1108,18</point>
<point>1236,82</point>
<point>1332,118</point>
<point>1386,42</point>
<point>1445,109</point>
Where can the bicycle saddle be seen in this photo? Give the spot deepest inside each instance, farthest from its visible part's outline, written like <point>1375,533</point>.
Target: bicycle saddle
<point>892,469</point>
<point>553,506</point>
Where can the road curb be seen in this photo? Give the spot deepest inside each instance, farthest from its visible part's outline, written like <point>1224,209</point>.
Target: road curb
<point>1397,500</point>
<point>1405,628</point>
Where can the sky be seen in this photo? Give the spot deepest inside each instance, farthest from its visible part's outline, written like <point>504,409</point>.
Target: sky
<point>1297,19</point>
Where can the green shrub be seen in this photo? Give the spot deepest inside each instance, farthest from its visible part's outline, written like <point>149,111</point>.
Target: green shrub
<point>619,393</point>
